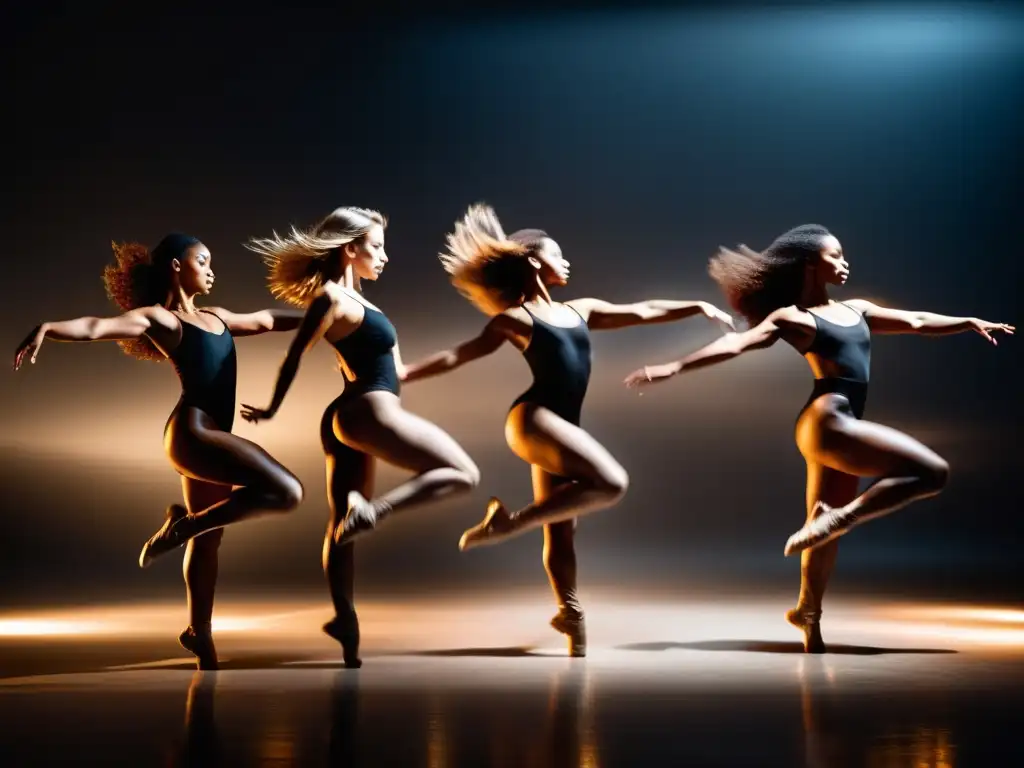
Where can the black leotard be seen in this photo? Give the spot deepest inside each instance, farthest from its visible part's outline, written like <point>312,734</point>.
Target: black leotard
<point>848,350</point>
<point>560,361</point>
<point>206,365</point>
<point>367,352</point>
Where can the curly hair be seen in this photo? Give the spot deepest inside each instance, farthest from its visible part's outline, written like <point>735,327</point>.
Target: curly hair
<point>298,262</point>
<point>756,284</point>
<point>138,278</point>
<point>487,266</point>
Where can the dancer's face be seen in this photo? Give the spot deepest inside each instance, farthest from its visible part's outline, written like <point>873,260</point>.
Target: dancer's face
<point>194,271</point>
<point>832,267</point>
<point>367,255</point>
<point>548,259</point>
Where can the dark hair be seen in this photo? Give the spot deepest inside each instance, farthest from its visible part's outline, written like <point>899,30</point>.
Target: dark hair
<point>756,284</point>
<point>139,278</point>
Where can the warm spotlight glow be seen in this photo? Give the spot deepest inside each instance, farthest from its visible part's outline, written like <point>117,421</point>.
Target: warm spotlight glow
<point>963,614</point>
<point>46,627</point>
<point>966,624</point>
<point>384,621</point>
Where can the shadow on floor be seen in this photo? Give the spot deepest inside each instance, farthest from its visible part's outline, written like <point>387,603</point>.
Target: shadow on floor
<point>767,646</point>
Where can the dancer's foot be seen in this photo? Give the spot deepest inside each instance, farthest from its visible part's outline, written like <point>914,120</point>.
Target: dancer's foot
<point>827,523</point>
<point>810,624</point>
<point>360,518</point>
<point>200,644</point>
<point>346,632</point>
<point>572,624</point>
<point>172,534</point>
<point>497,525</point>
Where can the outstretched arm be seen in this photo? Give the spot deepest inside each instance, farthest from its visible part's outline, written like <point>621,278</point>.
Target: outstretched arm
<point>313,325</point>
<point>487,342</point>
<point>886,320</point>
<point>602,315</point>
<point>263,321</point>
<point>130,325</point>
<point>726,348</point>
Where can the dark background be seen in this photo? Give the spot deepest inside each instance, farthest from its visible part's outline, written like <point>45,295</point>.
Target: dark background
<point>641,140</point>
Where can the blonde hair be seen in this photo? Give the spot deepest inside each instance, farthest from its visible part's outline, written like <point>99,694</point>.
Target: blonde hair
<point>487,266</point>
<point>298,262</point>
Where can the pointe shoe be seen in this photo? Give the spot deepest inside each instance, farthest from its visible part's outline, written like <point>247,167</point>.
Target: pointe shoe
<point>346,632</point>
<point>572,625</point>
<point>496,525</point>
<point>828,523</point>
<point>360,518</point>
<point>200,644</point>
<point>170,536</point>
<point>810,625</point>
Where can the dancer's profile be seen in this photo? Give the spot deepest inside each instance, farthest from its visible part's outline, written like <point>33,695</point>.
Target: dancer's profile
<point>783,294</point>
<point>160,321</point>
<point>321,269</point>
<point>507,277</point>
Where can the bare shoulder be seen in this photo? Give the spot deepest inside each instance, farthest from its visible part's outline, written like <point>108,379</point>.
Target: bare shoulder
<point>861,305</point>
<point>511,317</point>
<point>221,313</point>
<point>585,306</point>
<point>333,294</point>
<point>790,317</point>
<point>508,323</point>
<point>514,324</point>
<point>159,316</point>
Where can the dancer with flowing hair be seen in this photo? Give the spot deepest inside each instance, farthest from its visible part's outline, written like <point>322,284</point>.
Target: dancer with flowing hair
<point>783,292</point>
<point>508,278</point>
<point>156,292</point>
<point>321,269</point>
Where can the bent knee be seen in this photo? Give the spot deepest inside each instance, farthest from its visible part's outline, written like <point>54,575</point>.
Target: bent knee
<point>472,474</point>
<point>615,483</point>
<point>935,474</point>
<point>288,493</point>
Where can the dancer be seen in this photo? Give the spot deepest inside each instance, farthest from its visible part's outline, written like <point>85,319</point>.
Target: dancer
<point>157,293</point>
<point>321,269</point>
<point>783,294</point>
<point>507,278</point>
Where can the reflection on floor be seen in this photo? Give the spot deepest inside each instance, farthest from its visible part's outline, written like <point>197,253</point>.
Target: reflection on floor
<point>474,684</point>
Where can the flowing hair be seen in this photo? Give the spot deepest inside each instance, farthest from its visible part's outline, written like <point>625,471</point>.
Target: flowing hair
<point>139,278</point>
<point>487,266</point>
<point>756,284</point>
<point>298,263</point>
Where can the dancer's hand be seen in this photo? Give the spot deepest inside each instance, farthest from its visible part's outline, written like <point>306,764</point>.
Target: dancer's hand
<point>711,312</point>
<point>651,374</point>
<point>30,346</point>
<point>984,327</point>
<point>254,415</point>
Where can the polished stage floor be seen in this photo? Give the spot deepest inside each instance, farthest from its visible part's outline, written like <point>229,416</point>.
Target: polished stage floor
<point>474,683</point>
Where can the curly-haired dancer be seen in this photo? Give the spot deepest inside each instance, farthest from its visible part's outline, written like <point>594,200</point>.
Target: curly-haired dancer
<point>507,277</point>
<point>320,269</point>
<point>783,294</point>
<point>157,293</point>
